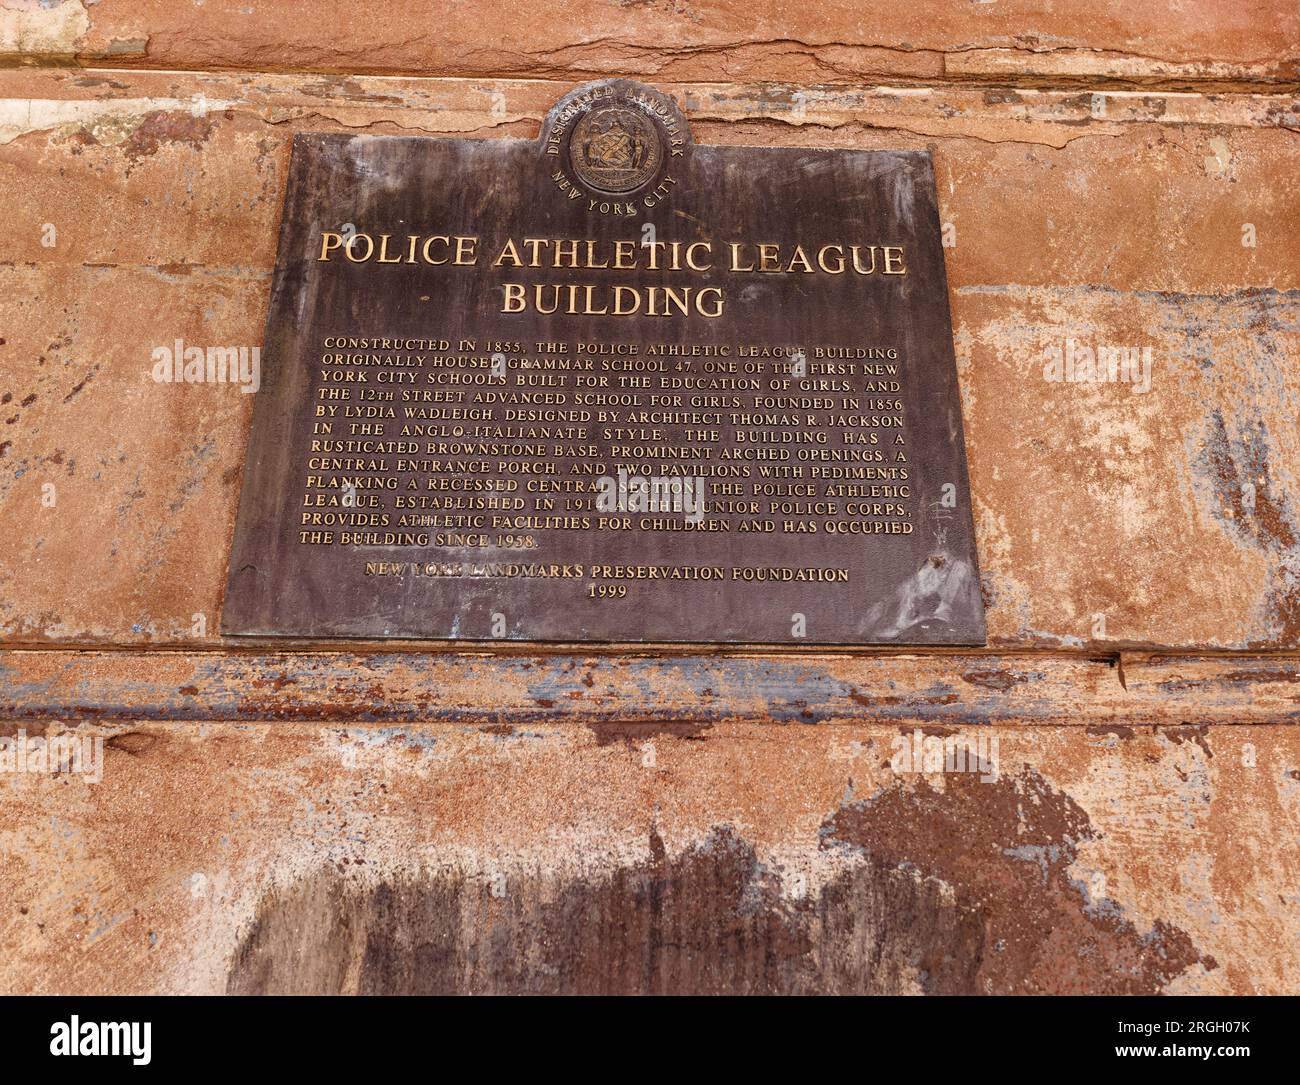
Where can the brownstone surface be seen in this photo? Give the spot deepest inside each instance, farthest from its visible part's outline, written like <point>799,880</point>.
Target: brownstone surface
<point>302,857</point>
<point>385,818</point>
<point>830,41</point>
<point>1091,500</point>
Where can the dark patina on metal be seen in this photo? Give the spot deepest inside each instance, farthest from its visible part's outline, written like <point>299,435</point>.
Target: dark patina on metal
<point>609,386</point>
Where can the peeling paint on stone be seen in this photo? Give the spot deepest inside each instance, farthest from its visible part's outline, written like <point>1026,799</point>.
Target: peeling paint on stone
<point>49,28</point>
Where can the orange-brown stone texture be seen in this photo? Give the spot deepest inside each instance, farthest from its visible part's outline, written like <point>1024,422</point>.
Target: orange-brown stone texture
<point>399,818</point>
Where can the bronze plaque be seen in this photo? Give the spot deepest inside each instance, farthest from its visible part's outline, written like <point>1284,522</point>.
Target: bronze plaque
<point>610,385</point>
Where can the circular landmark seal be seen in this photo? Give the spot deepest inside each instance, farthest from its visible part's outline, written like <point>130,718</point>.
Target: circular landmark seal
<point>615,149</point>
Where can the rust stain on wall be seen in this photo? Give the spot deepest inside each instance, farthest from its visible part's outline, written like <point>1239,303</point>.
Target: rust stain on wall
<point>1005,849</point>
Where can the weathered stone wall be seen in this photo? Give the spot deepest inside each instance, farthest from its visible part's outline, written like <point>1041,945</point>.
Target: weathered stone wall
<point>389,818</point>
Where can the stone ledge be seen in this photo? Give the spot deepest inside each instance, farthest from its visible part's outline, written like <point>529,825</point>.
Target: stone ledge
<point>628,692</point>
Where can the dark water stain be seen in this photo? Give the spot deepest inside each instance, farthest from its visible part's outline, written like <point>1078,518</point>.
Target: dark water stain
<point>1005,848</point>
<point>133,742</point>
<point>635,732</point>
<point>712,920</point>
<point>1104,730</point>
<point>998,680</point>
<point>161,127</point>
<point>964,891</point>
<point>1198,733</point>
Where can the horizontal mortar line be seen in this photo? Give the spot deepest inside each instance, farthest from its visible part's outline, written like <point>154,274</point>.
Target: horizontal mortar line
<point>1227,293</point>
<point>1108,652</point>
<point>642,728</point>
<point>587,688</point>
<point>1166,84</point>
<point>830,119</point>
<point>304,107</point>
<point>880,82</point>
<point>573,717</point>
<point>177,268</point>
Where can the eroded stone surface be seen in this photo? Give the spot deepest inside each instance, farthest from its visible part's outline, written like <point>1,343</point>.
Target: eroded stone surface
<point>834,41</point>
<point>516,822</point>
<point>1169,512</point>
<point>745,857</point>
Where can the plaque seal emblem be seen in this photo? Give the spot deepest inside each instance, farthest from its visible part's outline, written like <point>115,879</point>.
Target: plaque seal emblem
<point>616,147</point>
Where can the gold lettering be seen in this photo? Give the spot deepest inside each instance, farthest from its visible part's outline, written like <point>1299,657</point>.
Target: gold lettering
<point>466,251</point>
<point>690,255</point>
<point>799,258</point>
<point>735,258</point>
<point>328,242</point>
<point>837,265</point>
<point>510,253</point>
<point>428,244</point>
<point>370,248</point>
<point>857,263</point>
<point>514,298</point>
